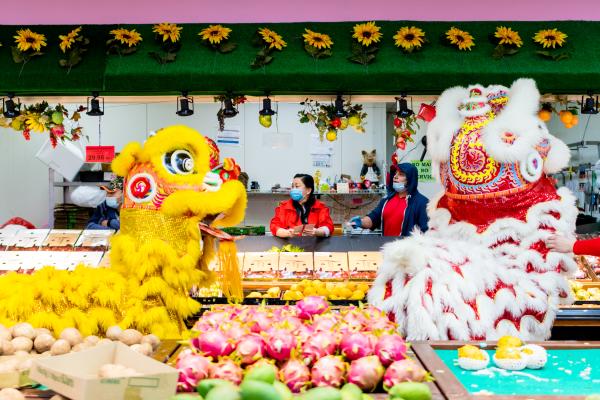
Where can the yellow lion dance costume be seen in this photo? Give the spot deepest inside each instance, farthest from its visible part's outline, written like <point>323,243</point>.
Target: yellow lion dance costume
<point>172,185</point>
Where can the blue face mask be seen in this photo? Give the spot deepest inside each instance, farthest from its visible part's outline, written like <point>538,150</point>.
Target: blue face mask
<point>399,186</point>
<point>296,194</point>
<point>112,202</point>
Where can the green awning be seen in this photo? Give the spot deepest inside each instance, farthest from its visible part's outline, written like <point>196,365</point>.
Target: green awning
<point>200,70</point>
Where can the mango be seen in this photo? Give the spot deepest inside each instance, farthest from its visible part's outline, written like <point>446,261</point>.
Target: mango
<point>283,390</point>
<point>350,391</point>
<point>322,393</point>
<point>224,392</point>
<point>258,390</point>
<point>206,385</point>
<point>264,373</point>
<point>410,391</point>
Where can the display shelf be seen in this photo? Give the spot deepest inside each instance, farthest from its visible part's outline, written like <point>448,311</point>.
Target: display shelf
<point>285,285</point>
<point>330,193</point>
<point>68,184</point>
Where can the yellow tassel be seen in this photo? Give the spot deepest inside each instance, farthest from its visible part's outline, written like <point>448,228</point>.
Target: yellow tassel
<point>231,281</point>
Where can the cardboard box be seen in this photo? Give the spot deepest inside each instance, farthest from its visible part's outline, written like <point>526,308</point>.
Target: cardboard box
<point>16,379</point>
<point>95,238</point>
<point>364,264</point>
<point>61,238</point>
<point>296,265</point>
<point>75,375</point>
<point>28,238</point>
<point>260,265</point>
<point>330,265</point>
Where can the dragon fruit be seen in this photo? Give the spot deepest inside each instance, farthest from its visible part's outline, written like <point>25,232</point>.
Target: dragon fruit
<point>234,330</point>
<point>325,322</point>
<point>215,318</point>
<point>319,345</point>
<point>261,322</point>
<point>403,371</point>
<point>279,344</point>
<point>366,373</point>
<point>304,333</point>
<point>311,306</point>
<point>228,370</point>
<point>192,369</point>
<point>295,374</point>
<point>357,344</point>
<point>354,321</point>
<point>250,348</point>
<point>213,343</point>
<point>390,348</point>
<point>329,371</point>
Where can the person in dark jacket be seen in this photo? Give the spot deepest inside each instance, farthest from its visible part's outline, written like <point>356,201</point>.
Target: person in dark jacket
<point>403,209</point>
<point>106,215</point>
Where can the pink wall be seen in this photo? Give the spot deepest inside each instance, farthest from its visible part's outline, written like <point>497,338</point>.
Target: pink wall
<point>24,12</point>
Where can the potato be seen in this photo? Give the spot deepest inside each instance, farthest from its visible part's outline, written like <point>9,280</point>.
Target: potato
<point>81,346</point>
<point>5,334</point>
<point>114,332</point>
<point>91,340</point>
<point>153,340</point>
<point>39,331</point>
<point>11,394</point>
<point>43,342</point>
<point>130,336</point>
<point>25,365</point>
<point>104,341</point>
<point>23,330</point>
<point>61,346</point>
<point>8,349</point>
<point>22,343</point>
<point>72,336</point>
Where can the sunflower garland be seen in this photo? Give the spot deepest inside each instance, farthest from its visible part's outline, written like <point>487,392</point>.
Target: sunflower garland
<point>217,38</point>
<point>29,44</point>
<point>72,45</point>
<point>123,42</point>
<point>317,44</point>
<point>365,46</point>
<point>551,40</point>
<point>459,38</point>
<point>167,36</point>
<point>409,38</point>
<point>43,118</point>
<point>269,41</point>
<point>508,42</point>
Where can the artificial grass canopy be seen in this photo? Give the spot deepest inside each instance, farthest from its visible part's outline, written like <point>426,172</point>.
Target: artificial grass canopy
<point>199,69</point>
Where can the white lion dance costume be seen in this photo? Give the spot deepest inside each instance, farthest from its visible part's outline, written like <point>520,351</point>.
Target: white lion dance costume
<point>483,269</point>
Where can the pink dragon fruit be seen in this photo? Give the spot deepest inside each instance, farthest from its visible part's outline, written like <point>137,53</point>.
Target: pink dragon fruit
<point>329,371</point>
<point>366,373</point>
<point>403,371</point>
<point>295,374</point>
<point>215,318</point>
<point>291,323</point>
<point>234,330</point>
<point>262,321</point>
<point>192,369</point>
<point>319,345</point>
<point>304,333</point>
<point>357,344</point>
<point>311,306</point>
<point>354,321</point>
<point>250,348</point>
<point>390,348</point>
<point>228,370</point>
<point>279,344</point>
<point>382,325</point>
<point>326,322</point>
<point>213,343</point>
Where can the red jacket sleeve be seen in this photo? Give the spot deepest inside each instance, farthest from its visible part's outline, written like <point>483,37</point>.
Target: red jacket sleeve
<point>277,221</point>
<point>590,247</point>
<point>325,219</point>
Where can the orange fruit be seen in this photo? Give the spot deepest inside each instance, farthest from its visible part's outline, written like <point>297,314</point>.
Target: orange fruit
<point>545,115</point>
<point>566,117</point>
<point>574,120</point>
<point>331,135</point>
<point>568,126</point>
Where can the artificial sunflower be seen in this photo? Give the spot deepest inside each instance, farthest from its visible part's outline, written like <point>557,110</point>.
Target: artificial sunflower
<point>28,40</point>
<point>462,39</point>
<point>168,31</point>
<point>129,37</point>
<point>215,34</point>
<point>508,37</point>
<point>367,33</point>
<point>550,38</point>
<point>409,38</point>
<point>36,123</point>
<point>269,41</point>
<point>266,34</point>
<point>277,43</point>
<point>66,41</point>
<point>317,40</point>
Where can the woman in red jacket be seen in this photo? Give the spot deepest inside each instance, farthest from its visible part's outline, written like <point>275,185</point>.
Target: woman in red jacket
<point>302,209</point>
<point>562,244</point>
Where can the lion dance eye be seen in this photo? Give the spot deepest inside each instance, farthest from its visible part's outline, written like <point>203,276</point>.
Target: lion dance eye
<point>179,162</point>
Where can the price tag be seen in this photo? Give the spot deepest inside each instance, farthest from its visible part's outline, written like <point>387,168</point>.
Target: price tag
<point>99,154</point>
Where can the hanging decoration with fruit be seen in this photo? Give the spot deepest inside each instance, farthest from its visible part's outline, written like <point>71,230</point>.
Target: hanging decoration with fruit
<point>405,122</point>
<point>229,108</point>
<point>45,119</point>
<point>329,119</point>
<point>569,116</point>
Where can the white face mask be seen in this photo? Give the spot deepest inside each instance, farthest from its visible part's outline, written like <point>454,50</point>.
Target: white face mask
<point>112,202</point>
<point>399,186</point>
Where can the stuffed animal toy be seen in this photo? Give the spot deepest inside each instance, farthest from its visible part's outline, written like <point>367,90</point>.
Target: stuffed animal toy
<point>370,171</point>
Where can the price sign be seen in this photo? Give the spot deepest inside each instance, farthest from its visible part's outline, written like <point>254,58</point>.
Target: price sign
<point>99,154</point>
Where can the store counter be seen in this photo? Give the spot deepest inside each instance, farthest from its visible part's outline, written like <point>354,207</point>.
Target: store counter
<point>313,244</point>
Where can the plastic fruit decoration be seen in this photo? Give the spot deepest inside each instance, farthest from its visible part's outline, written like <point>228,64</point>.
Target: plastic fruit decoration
<point>265,120</point>
<point>331,135</point>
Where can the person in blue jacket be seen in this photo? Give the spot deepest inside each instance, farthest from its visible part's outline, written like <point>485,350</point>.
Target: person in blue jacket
<point>403,209</point>
<point>106,215</point>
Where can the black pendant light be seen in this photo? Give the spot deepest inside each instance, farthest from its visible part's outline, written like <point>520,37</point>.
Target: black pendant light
<point>185,105</point>
<point>402,110</point>
<point>339,107</point>
<point>93,105</point>
<point>229,110</point>
<point>590,105</point>
<point>11,108</point>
